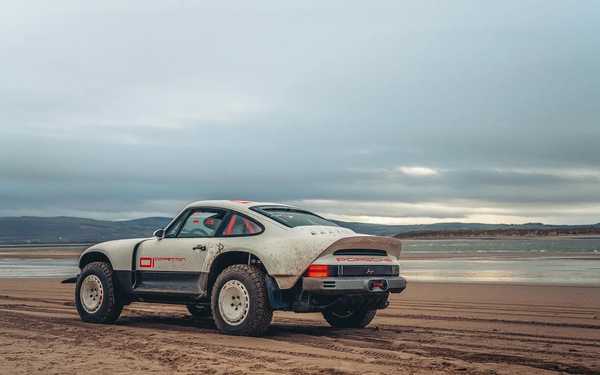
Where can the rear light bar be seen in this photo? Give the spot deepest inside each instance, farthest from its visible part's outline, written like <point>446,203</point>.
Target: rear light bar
<point>318,270</point>
<point>327,270</point>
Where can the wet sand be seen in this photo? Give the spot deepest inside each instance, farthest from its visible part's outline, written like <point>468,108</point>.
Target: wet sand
<point>431,328</point>
<point>43,252</point>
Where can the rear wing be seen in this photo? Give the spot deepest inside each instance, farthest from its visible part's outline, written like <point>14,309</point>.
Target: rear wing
<point>391,245</point>
<point>287,270</point>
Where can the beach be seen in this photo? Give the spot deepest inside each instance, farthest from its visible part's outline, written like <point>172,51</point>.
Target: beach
<point>510,309</point>
<point>442,328</point>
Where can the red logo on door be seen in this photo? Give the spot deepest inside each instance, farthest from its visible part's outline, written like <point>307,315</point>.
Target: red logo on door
<point>146,262</point>
<point>150,262</point>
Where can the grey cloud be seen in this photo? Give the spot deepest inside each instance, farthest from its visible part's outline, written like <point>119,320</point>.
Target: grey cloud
<point>110,107</point>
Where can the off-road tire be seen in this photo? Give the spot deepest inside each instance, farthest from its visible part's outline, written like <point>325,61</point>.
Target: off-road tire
<point>357,319</point>
<point>198,312</point>
<point>111,307</point>
<point>260,313</point>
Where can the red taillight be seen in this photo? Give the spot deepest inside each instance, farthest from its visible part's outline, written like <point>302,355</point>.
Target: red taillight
<point>317,270</point>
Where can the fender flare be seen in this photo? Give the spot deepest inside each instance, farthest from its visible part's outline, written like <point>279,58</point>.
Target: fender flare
<point>91,252</point>
<point>234,252</point>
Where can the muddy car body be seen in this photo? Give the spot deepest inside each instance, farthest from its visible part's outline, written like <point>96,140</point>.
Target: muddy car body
<point>237,261</point>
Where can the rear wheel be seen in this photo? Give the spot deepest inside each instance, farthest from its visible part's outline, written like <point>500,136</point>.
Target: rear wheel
<point>239,301</point>
<point>349,317</point>
<point>95,296</point>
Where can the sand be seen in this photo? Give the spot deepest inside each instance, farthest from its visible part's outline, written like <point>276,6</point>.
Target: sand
<point>45,252</point>
<point>431,328</point>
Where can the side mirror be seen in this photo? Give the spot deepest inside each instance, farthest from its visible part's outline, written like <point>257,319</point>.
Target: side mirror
<point>159,233</point>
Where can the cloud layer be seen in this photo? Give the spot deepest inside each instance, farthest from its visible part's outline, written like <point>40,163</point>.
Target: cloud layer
<point>387,112</point>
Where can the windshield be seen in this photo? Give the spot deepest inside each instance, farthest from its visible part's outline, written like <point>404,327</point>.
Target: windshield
<point>292,217</point>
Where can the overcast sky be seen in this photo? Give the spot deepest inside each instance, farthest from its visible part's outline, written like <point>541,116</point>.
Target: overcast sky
<point>390,112</point>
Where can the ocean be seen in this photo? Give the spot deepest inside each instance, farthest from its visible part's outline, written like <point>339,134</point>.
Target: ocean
<point>564,261</point>
<point>529,246</point>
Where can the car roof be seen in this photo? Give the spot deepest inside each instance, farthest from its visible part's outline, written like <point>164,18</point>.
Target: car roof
<point>239,205</point>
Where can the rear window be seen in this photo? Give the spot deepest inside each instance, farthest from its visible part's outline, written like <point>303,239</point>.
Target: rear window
<point>240,226</point>
<point>292,217</point>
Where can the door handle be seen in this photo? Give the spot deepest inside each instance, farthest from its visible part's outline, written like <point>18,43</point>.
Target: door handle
<point>199,247</point>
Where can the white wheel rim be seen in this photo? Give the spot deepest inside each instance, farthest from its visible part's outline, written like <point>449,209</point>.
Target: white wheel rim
<point>91,294</point>
<point>234,302</point>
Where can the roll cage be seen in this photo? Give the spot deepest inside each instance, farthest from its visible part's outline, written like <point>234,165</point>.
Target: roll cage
<point>228,216</point>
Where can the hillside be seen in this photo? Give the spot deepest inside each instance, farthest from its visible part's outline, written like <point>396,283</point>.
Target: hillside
<point>455,230</point>
<point>15,230</point>
<point>39,230</point>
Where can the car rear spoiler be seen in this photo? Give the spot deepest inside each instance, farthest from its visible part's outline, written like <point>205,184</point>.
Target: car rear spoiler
<point>391,245</point>
<point>294,270</point>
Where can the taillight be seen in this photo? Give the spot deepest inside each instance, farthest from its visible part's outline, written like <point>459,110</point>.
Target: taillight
<point>318,270</point>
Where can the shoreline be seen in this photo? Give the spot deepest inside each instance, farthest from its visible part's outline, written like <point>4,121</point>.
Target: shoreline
<point>553,269</point>
<point>51,254</point>
<point>491,238</point>
<point>74,251</point>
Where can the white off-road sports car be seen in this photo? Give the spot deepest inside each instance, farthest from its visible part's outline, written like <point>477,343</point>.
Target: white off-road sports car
<point>238,261</point>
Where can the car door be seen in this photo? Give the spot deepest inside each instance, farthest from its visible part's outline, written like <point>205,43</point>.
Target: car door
<point>173,264</point>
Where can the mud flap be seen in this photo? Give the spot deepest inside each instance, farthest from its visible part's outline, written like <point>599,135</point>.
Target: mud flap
<point>70,280</point>
<point>275,295</point>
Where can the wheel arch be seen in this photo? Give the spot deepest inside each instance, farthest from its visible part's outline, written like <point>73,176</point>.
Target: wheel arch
<point>96,255</point>
<point>230,258</point>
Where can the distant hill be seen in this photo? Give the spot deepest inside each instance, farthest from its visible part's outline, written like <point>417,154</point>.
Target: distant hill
<point>545,231</point>
<point>43,230</point>
<point>455,230</point>
<point>15,230</point>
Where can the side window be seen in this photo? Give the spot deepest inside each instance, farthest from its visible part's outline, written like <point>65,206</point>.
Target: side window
<point>241,226</point>
<point>201,223</point>
<point>173,229</point>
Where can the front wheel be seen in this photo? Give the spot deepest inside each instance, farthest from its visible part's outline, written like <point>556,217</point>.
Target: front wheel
<point>95,295</point>
<point>349,317</point>
<point>239,301</point>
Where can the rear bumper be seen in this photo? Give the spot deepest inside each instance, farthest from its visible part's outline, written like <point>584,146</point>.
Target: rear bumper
<point>341,285</point>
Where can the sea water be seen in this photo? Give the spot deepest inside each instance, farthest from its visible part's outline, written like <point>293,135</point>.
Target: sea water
<point>588,245</point>
<point>531,270</point>
<point>15,267</point>
<point>569,261</point>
